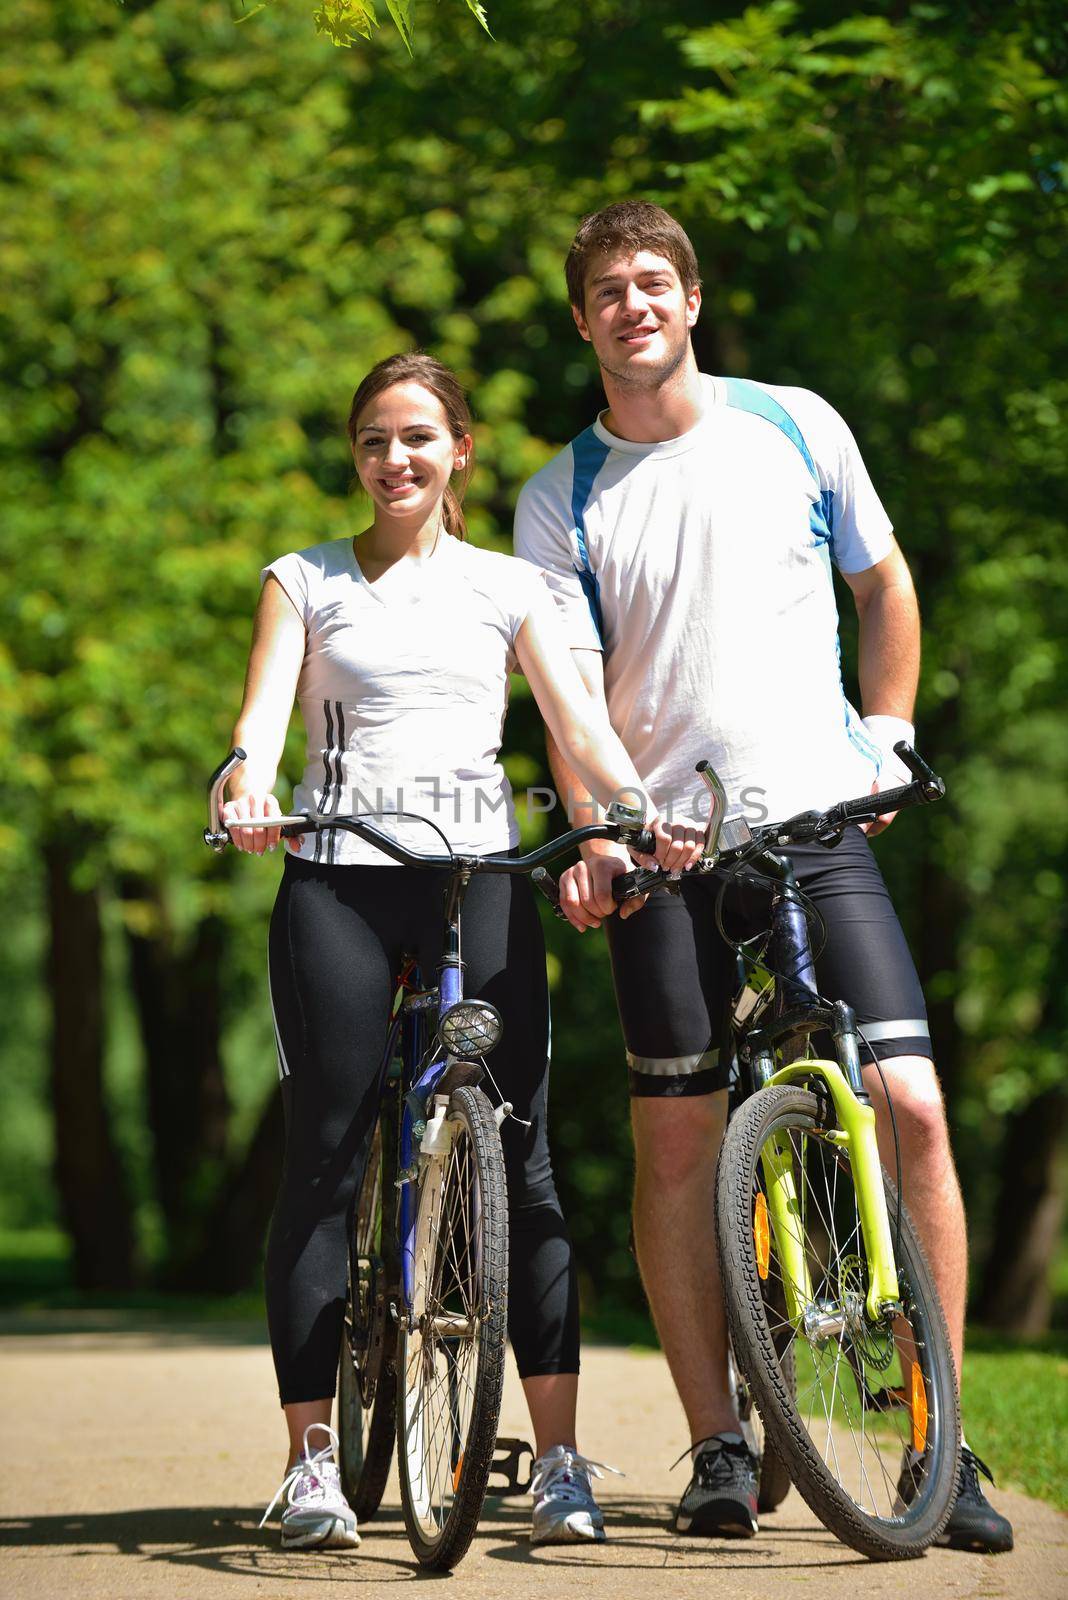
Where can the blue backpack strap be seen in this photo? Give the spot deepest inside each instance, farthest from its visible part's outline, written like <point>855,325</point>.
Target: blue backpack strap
<point>748,396</point>
<point>588,454</point>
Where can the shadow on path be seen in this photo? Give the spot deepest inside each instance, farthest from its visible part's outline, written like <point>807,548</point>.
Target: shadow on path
<point>641,1535</point>
<point>216,1539</point>
<point>228,1539</point>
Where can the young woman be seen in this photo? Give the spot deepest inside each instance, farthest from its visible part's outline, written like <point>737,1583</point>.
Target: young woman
<point>398,645</point>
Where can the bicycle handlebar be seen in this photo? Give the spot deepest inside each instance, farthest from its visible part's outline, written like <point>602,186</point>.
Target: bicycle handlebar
<point>217,834</point>
<point>807,827</point>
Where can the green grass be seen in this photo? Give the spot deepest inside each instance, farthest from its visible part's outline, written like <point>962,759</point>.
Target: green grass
<point>1015,1400</point>
<point>1016,1411</point>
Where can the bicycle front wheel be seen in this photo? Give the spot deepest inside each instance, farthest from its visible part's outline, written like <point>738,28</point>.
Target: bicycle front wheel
<point>871,1438</point>
<point>451,1350</point>
<point>773,1478</point>
<point>367,1381</point>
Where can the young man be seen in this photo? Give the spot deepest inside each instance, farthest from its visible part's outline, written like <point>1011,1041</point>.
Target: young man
<point>688,537</point>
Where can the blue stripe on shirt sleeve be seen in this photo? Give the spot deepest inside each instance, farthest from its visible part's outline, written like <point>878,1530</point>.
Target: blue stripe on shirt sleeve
<point>748,396</point>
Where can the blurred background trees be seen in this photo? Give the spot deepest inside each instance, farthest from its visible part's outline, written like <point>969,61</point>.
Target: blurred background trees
<point>209,234</point>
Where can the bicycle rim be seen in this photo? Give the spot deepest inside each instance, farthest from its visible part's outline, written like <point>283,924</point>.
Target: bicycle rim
<point>871,1436</point>
<point>451,1357</point>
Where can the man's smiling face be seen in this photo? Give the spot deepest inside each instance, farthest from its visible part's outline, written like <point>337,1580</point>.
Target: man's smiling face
<point>637,315</point>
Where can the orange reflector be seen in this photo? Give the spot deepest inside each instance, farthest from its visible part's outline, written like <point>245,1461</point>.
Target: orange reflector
<point>761,1235</point>
<point>919,1410</point>
<point>456,1474</point>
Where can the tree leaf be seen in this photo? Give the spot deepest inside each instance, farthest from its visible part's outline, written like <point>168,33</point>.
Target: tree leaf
<point>479,12</point>
<point>401,12</point>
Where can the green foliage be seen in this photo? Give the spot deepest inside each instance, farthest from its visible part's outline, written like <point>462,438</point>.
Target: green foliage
<point>211,233</point>
<point>346,22</point>
<point>911,165</point>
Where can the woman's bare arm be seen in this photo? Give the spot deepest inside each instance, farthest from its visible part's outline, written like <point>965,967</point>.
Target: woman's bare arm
<point>274,663</point>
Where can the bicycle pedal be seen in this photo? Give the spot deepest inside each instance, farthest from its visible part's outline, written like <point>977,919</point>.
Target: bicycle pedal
<point>507,1454</point>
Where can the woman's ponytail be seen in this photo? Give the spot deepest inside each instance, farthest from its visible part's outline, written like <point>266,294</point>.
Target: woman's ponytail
<point>452,514</point>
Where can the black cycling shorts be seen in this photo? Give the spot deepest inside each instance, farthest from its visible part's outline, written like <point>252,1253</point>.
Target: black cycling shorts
<point>674,975</point>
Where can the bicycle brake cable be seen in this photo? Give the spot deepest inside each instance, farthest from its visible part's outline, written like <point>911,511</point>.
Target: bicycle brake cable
<point>412,816</point>
<point>510,1114</point>
<point>813,917</point>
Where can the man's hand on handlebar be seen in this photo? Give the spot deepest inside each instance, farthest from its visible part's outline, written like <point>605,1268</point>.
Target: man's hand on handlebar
<point>248,807</point>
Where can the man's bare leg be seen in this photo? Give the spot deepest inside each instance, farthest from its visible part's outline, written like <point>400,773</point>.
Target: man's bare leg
<point>676,1145</point>
<point>929,1177</point>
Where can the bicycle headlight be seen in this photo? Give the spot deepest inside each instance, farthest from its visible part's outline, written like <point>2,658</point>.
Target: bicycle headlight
<point>470,1028</point>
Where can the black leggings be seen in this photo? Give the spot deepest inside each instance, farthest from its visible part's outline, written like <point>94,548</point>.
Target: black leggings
<point>338,935</point>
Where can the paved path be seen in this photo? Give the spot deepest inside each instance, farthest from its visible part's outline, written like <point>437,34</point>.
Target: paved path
<point>136,1464</point>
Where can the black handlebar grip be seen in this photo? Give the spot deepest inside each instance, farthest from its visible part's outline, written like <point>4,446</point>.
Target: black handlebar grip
<point>623,887</point>
<point>645,843</point>
<point>543,880</point>
<point>881,805</point>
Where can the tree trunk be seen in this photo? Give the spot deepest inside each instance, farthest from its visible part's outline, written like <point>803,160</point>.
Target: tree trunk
<point>178,997</point>
<point>89,1176</point>
<point>1016,1295</point>
<point>232,1240</point>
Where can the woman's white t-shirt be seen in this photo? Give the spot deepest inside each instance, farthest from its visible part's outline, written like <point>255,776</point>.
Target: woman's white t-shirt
<point>403,692</point>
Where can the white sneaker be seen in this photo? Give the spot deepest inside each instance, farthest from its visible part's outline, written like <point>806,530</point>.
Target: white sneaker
<point>565,1511</point>
<point>316,1515</point>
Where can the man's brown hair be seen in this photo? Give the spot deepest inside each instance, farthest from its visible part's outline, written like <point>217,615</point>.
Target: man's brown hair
<point>630,225</point>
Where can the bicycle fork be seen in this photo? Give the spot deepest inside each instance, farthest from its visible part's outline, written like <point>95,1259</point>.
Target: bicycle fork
<point>855,1135</point>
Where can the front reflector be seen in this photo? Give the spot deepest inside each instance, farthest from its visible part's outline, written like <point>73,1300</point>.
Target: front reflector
<point>919,1410</point>
<point>761,1235</point>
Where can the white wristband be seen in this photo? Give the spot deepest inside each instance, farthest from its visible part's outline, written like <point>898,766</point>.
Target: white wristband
<point>886,732</point>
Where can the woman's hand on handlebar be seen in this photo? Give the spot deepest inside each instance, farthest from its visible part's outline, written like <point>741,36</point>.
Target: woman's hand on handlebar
<point>251,807</point>
<point>678,846</point>
<point>586,888</point>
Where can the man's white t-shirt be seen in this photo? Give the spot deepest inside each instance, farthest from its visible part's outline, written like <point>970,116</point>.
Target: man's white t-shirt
<point>403,691</point>
<point>701,567</point>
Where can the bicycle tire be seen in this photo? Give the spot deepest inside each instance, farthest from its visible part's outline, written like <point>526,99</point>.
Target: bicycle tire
<point>773,1477</point>
<point>367,1380</point>
<point>450,1357</point>
<point>862,1503</point>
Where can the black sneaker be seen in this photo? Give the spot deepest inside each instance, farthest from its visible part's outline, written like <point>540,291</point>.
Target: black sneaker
<point>973,1523</point>
<point>721,1497</point>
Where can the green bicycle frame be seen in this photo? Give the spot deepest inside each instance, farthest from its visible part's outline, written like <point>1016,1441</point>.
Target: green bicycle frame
<point>856,1135</point>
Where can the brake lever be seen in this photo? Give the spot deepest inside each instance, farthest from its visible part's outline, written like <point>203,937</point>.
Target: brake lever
<point>215,834</point>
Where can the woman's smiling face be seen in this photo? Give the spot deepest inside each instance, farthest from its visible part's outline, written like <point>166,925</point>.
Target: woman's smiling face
<point>404,451</point>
